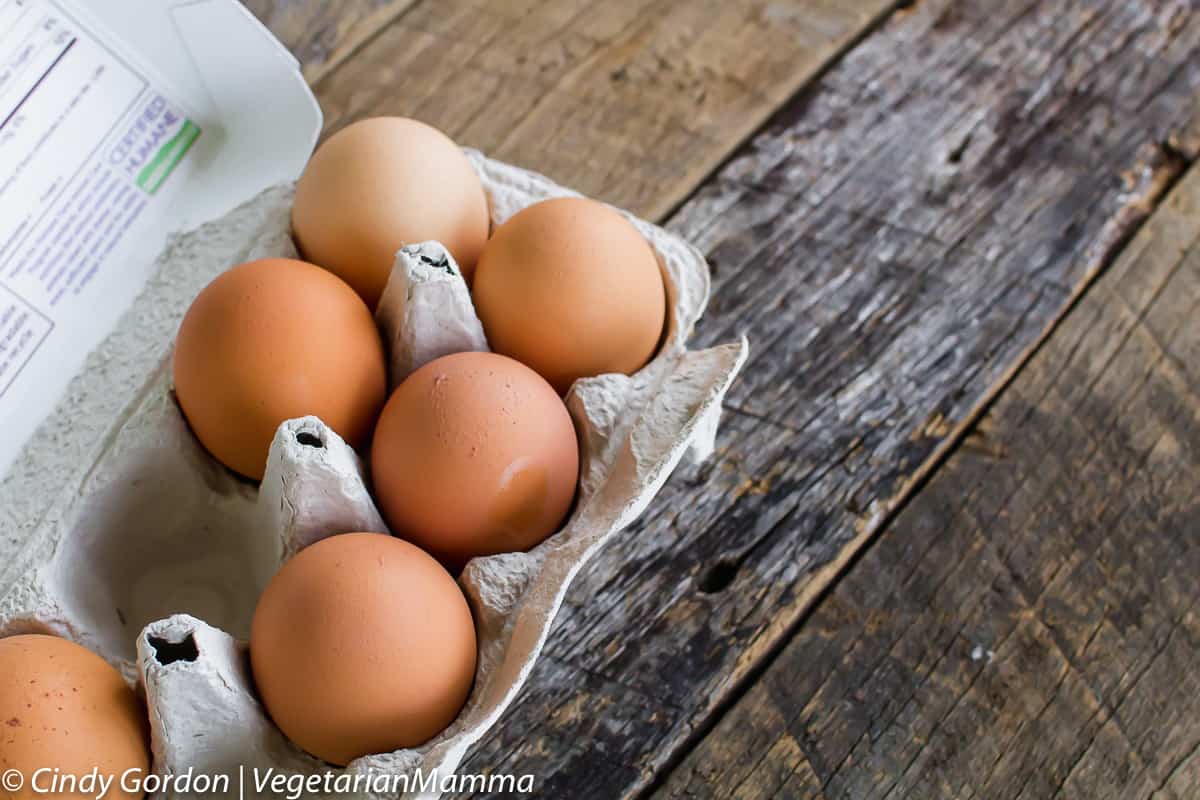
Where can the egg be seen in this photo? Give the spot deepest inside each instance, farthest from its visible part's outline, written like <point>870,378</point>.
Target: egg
<point>62,707</point>
<point>569,287</point>
<point>269,341</point>
<point>362,644</point>
<point>474,454</point>
<point>382,183</point>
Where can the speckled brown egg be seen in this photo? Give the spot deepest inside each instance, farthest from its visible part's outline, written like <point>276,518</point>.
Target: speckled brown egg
<point>273,340</point>
<point>382,183</point>
<point>362,644</point>
<point>62,707</point>
<point>474,454</point>
<point>569,287</point>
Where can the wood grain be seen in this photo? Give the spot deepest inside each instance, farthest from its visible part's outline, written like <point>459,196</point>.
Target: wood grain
<point>630,101</point>
<point>892,243</point>
<point>323,35</point>
<point>1028,627</point>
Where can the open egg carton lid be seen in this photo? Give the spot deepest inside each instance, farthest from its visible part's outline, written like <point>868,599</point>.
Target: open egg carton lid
<point>113,519</point>
<point>122,122</point>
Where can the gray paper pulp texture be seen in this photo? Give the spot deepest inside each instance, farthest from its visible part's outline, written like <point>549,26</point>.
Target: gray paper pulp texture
<point>114,519</point>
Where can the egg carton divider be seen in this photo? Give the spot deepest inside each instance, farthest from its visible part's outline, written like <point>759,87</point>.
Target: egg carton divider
<point>115,518</point>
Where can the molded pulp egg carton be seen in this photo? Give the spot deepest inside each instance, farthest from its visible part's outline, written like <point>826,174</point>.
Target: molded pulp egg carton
<point>144,524</point>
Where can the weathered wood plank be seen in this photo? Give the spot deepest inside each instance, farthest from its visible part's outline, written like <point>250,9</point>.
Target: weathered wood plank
<point>323,35</point>
<point>1028,626</point>
<point>631,101</point>
<point>892,243</point>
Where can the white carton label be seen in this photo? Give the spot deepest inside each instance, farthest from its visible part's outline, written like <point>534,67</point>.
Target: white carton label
<point>89,150</point>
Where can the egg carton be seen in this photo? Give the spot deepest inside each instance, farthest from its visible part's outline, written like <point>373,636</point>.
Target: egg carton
<point>115,519</point>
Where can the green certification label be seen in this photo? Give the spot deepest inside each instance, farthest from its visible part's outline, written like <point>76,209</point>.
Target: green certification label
<point>160,167</point>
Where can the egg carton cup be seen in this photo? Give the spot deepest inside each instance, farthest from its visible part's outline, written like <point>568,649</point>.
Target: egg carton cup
<point>115,519</point>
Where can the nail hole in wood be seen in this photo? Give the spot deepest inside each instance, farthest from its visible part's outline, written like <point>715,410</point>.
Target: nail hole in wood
<point>718,577</point>
<point>955,156</point>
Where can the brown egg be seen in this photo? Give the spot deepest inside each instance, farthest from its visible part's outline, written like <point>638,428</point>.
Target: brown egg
<point>569,287</point>
<point>62,707</point>
<point>362,644</point>
<point>379,184</point>
<point>270,341</point>
<point>474,454</point>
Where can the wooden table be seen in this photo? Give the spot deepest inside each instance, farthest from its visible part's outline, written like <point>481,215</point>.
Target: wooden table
<point>949,545</point>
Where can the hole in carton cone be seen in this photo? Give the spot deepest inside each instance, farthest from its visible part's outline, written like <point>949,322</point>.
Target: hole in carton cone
<point>168,652</point>
<point>309,439</point>
<point>437,263</point>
